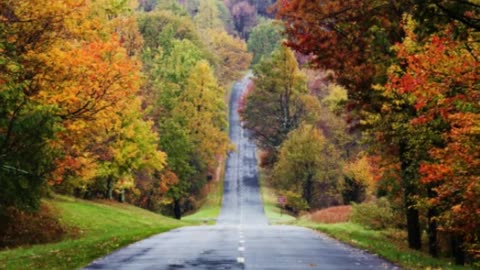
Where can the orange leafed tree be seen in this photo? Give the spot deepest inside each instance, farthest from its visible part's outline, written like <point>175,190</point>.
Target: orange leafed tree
<point>442,78</point>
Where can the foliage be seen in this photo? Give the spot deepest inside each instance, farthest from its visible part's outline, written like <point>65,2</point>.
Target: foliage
<point>360,173</point>
<point>275,106</point>
<point>231,56</point>
<point>96,229</point>
<point>265,38</point>
<point>375,215</point>
<point>31,228</point>
<point>244,16</point>
<point>334,214</point>
<point>441,79</point>
<point>384,244</point>
<point>308,165</point>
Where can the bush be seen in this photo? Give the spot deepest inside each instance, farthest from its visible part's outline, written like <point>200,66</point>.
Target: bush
<point>23,228</point>
<point>375,215</point>
<point>335,214</point>
<point>295,202</point>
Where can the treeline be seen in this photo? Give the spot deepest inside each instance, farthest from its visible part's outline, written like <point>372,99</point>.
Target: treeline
<point>102,99</point>
<point>393,113</point>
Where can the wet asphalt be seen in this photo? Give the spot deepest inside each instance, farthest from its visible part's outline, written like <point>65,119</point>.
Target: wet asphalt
<point>242,238</point>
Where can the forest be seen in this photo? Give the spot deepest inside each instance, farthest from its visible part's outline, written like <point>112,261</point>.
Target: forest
<point>373,104</point>
<point>114,99</point>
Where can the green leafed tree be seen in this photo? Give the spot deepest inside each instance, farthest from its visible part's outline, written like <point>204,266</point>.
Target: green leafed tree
<point>202,110</point>
<point>276,105</point>
<point>265,38</point>
<point>309,166</point>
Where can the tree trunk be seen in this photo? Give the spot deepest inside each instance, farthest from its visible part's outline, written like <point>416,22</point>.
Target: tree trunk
<point>457,249</point>
<point>307,189</point>
<point>177,210</point>
<point>409,190</point>
<point>432,232</point>
<point>432,226</point>
<point>121,197</point>
<point>109,188</point>
<point>413,227</point>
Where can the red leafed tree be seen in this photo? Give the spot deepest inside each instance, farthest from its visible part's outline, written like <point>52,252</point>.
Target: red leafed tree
<point>442,77</point>
<point>349,36</point>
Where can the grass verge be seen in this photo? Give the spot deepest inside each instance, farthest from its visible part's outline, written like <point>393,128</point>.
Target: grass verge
<point>274,214</point>
<point>382,243</point>
<point>100,228</point>
<point>210,209</point>
<point>387,244</point>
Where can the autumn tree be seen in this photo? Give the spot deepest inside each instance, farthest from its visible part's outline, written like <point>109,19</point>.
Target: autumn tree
<point>265,38</point>
<point>208,16</point>
<point>244,17</point>
<point>441,80</point>
<point>308,165</point>
<point>276,104</point>
<point>202,109</point>
<point>185,100</point>
<point>28,31</point>
<point>232,58</point>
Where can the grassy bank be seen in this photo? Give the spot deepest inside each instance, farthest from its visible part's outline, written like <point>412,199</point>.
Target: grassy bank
<point>275,214</point>
<point>208,213</point>
<point>387,244</point>
<point>100,228</point>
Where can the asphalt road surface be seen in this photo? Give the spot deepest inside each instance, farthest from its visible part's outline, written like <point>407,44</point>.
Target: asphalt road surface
<point>242,238</point>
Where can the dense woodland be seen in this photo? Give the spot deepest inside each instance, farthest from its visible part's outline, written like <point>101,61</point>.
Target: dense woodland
<point>114,99</point>
<point>370,103</point>
<point>376,102</point>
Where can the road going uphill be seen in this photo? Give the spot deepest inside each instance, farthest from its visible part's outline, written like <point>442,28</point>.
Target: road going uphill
<point>242,238</point>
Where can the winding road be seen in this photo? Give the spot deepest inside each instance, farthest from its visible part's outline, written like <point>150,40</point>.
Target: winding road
<point>242,238</point>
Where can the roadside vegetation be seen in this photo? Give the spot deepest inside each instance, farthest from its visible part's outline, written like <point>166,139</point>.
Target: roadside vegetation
<point>210,207</point>
<point>122,100</point>
<point>374,105</point>
<point>92,230</point>
<point>367,229</point>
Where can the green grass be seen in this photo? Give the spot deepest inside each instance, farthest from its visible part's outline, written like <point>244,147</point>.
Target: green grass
<point>210,209</point>
<point>101,228</point>
<point>386,244</point>
<point>275,214</point>
<point>381,243</point>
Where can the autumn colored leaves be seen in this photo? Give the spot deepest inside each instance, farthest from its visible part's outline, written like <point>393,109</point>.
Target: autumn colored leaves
<point>411,68</point>
<point>100,99</point>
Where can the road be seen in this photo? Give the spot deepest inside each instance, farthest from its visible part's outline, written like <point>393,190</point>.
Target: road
<point>242,238</point>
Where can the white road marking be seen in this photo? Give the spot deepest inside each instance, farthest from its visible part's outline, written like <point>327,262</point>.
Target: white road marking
<point>241,260</point>
<point>241,249</point>
<point>241,241</point>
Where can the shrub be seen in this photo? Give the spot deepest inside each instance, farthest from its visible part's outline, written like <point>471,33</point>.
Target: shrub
<point>375,215</point>
<point>23,228</point>
<point>335,214</point>
<point>295,202</point>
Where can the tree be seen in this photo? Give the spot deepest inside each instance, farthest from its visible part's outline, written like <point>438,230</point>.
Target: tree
<point>441,80</point>
<point>232,58</point>
<point>244,17</point>
<point>201,109</point>
<point>131,148</point>
<point>265,38</point>
<point>275,106</point>
<point>353,38</point>
<point>308,165</point>
<point>27,125</point>
<point>208,16</point>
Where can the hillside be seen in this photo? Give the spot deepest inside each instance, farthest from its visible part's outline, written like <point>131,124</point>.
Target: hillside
<point>97,228</point>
